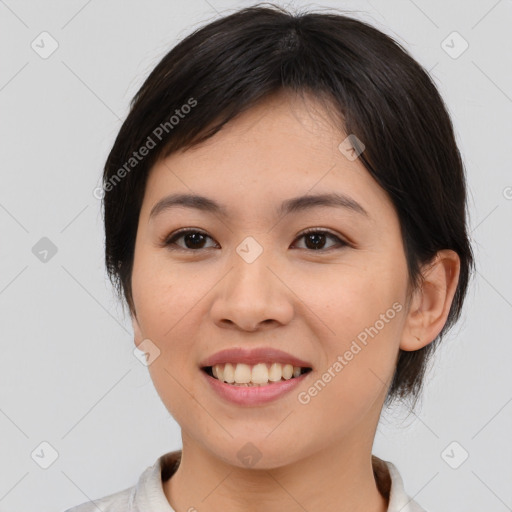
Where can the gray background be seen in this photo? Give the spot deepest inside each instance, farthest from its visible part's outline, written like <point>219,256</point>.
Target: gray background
<point>68,374</point>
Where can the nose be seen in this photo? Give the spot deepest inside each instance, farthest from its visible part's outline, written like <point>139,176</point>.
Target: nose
<point>252,296</point>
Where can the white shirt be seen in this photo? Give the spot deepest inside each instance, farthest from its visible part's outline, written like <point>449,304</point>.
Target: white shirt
<point>148,494</point>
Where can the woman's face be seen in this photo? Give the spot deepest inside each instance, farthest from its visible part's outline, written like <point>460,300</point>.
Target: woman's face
<point>254,280</point>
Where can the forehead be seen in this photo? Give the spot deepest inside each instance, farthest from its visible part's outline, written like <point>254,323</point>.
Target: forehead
<point>284,147</point>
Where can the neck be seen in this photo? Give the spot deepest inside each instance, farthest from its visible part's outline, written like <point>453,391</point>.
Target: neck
<point>339,479</point>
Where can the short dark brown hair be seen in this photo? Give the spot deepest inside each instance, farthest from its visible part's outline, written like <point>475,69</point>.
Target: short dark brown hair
<point>384,97</point>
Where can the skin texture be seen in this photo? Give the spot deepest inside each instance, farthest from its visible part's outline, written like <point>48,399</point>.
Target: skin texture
<point>310,303</point>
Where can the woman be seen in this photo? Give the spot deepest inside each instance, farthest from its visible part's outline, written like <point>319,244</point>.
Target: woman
<point>285,216</point>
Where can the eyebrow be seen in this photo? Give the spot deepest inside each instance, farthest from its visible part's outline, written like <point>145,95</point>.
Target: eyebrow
<point>295,204</point>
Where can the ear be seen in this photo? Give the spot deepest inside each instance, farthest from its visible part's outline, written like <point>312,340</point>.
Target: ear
<point>137,331</point>
<point>430,304</point>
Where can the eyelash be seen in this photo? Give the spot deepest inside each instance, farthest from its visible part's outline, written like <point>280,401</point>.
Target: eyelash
<point>171,239</point>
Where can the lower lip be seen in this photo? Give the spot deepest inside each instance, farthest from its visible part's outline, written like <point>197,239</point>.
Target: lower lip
<point>253,395</point>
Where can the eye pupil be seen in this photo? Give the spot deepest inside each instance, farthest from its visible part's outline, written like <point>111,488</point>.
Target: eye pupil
<point>312,236</point>
<point>196,237</point>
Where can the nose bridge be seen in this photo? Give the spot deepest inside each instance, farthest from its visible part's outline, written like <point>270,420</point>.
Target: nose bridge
<point>251,278</point>
<point>251,293</point>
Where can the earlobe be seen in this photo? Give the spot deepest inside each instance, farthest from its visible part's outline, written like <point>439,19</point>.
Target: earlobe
<point>137,332</point>
<point>430,304</point>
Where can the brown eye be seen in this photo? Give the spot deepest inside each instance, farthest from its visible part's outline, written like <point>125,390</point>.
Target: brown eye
<point>192,238</point>
<point>315,239</point>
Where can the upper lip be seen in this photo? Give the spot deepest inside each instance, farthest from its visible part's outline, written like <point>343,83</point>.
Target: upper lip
<point>253,356</point>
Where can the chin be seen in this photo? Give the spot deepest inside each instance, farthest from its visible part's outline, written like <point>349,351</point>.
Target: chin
<point>256,453</point>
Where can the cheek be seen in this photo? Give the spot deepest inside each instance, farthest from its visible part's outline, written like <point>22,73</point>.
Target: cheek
<point>167,299</point>
<point>349,297</point>
<point>161,293</point>
<point>360,363</point>
<point>364,312</point>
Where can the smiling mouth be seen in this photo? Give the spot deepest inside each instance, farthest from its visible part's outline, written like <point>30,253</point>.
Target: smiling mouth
<point>261,374</point>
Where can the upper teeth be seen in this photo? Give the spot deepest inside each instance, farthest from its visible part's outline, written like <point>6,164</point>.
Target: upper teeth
<point>260,373</point>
